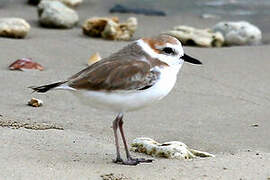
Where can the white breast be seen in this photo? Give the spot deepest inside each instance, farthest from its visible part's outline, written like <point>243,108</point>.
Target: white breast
<point>123,101</point>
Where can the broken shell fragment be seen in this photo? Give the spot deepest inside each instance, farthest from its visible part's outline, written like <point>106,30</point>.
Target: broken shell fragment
<point>25,63</point>
<point>35,102</point>
<point>110,28</point>
<point>171,150</point>
<point>199,37</point>
<point>94,26</point>
<point>94,58</point>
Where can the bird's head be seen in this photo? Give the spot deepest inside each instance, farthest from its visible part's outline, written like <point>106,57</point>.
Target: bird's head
<point>167,49</point>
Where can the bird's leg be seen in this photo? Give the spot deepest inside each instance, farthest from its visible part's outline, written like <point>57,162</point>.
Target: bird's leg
<point>115,127</point>
<point>123,137</point>
<point>130,160</point>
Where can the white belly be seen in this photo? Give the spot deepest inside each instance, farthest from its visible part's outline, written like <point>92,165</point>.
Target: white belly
<point>123,101</point>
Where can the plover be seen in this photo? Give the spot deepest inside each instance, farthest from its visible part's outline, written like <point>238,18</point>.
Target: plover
<point>138,75</point>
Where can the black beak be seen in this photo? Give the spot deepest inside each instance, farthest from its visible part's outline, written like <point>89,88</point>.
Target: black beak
<point>191,60</point>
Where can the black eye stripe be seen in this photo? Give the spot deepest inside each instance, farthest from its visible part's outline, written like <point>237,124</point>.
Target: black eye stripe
<point>168,50</point>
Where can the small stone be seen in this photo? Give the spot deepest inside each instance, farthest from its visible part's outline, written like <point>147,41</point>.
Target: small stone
<point>198,37</point>
<point>239,33</point>
<point>56,15</point>
<point>35,102</point>
<point>94,58</point>
<point>25,63</point>
<point>14,27</point>
<point>110,28</point>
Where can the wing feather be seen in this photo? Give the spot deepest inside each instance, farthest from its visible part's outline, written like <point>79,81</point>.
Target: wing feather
<point>115,75</point>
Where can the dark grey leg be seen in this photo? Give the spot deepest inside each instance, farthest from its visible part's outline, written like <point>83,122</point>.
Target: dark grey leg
<point>123,137</point>
<point>115,127</point>
<point>130,160</point>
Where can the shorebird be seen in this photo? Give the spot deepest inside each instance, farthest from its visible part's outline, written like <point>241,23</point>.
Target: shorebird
<point>136,76</point>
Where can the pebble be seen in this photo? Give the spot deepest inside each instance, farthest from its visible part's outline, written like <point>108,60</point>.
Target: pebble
<point>239,33</point>
<point>14,27</point>
<point>56,15</point>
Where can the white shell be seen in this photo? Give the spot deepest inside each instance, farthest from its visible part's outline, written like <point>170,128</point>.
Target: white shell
<point>172,149</point>
<point>199,37</point>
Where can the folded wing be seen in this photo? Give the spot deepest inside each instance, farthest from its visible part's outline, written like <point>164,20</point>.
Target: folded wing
<point>115,75</point>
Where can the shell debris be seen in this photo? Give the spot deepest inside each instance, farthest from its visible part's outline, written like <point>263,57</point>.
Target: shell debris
<point>110,28</point>
<point>199,37</point>
<point>25,64</point>
<point>35,102</point>
<point>171,150</point>
<point>94,58</point>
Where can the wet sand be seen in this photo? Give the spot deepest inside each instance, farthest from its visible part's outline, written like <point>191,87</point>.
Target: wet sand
<point>212,107</point>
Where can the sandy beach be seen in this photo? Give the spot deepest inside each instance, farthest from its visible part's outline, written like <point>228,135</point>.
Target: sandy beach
<point>221,107</point>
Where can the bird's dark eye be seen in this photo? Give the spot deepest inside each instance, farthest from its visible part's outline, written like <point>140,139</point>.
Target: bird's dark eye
<point>168,50</point>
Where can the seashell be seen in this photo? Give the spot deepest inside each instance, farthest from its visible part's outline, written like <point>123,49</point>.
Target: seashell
<point>94,58</point>
<point>25,63</point>
<point>35,102</point>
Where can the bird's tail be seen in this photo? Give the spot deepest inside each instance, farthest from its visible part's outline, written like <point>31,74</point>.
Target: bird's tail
<point>45,88</point>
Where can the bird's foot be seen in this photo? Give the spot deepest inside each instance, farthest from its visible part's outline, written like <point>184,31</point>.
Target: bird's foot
<point>135,161</point>
<point>118,160</point>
